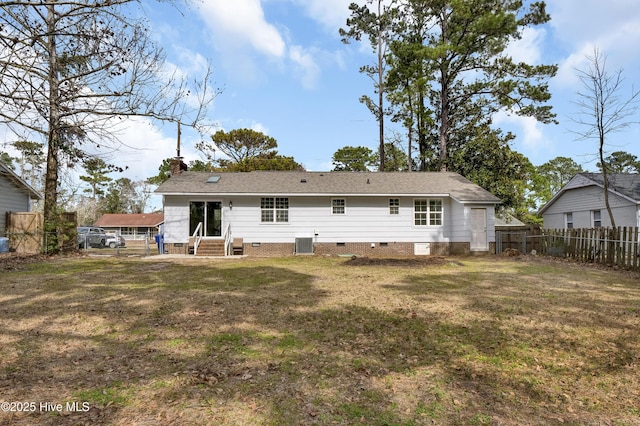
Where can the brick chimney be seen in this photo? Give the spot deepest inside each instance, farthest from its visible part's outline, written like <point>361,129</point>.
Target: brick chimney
<point>177,166</point>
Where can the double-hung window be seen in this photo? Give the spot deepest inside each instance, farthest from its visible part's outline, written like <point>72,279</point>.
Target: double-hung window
<point>338,206</point>
<point>596,218</point>
<point>427,212</point>
<point>394,206</point>
<point>568,220</point>
<point>274,209</point>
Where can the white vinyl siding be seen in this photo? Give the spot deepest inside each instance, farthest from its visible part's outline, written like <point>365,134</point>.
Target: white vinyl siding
<point>367,219</point>
<point>12,199</point>
<point>581,202</point>
<point>176,219</point>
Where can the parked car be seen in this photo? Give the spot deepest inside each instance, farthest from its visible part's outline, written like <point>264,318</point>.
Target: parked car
<point>114,241</point>
<point>89,236</point>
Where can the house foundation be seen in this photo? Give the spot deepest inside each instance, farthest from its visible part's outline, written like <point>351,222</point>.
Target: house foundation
<point>376,249</point>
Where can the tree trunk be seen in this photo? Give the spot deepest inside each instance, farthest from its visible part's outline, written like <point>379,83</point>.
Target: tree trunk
<point>444,93</point>
<point>53,138</point>
<point>422,134</point>
<point>605,182</point>
<point>444,125</point>
<point>381,86</point>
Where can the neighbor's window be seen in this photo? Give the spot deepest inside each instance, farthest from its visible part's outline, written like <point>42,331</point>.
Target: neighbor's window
<point>394,206</point>
<point>568,220</point>
<point>338,206</point>
<point>274,209</point>
<point>596,218</point>
<point>427,212</point>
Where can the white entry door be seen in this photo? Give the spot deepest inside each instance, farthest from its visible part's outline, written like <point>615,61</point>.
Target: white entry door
<point>479,229</point>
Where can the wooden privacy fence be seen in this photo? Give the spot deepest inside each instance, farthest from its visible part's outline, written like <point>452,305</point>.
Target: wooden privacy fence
<point>608,246</point>
<point>525,238</point>
<point>25,232</point>
<point>27,236</point>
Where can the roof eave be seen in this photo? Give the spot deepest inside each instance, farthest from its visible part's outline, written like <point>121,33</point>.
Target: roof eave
<point>564,189</point>
<point>330,194</point>
<point>18,181</point>
<point>304,194</point>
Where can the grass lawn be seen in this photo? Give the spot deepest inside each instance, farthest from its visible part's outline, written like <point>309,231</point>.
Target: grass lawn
<point>317,340</point>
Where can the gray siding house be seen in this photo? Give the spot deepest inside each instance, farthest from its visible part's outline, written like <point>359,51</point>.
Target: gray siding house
<point>280,213</point>
<point>15,195</point>
<point>580,203</point>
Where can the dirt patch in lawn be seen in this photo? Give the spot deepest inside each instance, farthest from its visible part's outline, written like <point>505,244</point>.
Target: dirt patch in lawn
<point>13,261</point>
<point>413,262</point>
<point>318,341</point>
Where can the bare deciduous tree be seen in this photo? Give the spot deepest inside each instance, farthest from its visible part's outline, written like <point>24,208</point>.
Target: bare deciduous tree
<point>71,70</point>
<point>602,111</point>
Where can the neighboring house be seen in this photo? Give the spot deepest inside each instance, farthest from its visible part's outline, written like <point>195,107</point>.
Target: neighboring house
<point>281,213</point>
<point>131,226</point>
<point>580,203</point>
<point>15,195</point>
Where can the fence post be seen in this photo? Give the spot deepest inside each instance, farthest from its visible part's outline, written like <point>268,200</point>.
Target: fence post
<point>636,249</point>
<point>623,247</point>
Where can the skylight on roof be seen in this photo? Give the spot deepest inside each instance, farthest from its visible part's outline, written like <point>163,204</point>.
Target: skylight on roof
<point>213,179</point>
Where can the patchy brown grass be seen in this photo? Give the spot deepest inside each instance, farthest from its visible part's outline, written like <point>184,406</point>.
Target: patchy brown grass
<point>311,340</point>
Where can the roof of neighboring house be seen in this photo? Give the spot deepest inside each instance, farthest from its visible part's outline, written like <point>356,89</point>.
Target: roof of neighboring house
<point>19,182</point>
<point>112,220</point>
<point>626,185</point>
<point>327,183</point>
<point>508,220</point>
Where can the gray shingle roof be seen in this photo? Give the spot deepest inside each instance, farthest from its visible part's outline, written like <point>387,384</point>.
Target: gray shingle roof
<point>328,183</point>
<point>133,220</point>
<point>626,184</point>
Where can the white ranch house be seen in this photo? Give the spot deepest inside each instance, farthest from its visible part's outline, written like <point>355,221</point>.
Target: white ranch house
<point>273,213</point>
<point>580,203</point>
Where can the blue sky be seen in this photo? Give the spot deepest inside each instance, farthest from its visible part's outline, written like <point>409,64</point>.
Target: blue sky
<point>285,72</point>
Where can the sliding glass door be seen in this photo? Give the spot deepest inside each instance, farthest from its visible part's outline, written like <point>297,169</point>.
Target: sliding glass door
<point>209,213</point>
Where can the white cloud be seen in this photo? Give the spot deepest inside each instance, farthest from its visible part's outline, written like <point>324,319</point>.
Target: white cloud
<point>246,124</point>
<point>331,14</point>
<point>575,21</point>
<point>190,61</point>
<point>305,66</point>
<point>528,129</point>
<point>567,75</point>
<point>259,127</point>
<point>528,48</point>
<point>241,22</point>
<point>581,25</point>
